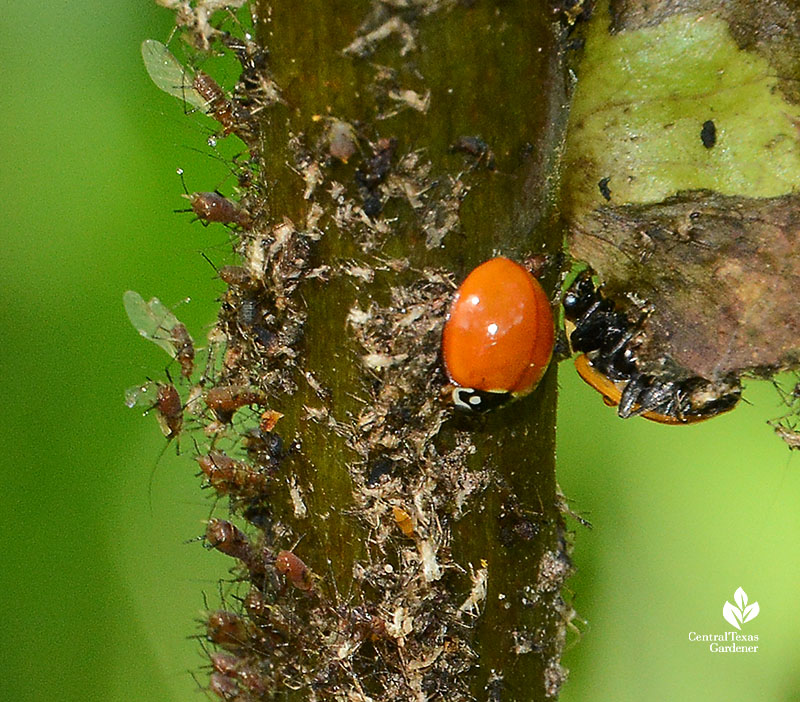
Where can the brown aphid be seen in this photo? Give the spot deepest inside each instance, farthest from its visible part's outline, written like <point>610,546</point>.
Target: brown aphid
<point>231,477</point>
<point>219,107</point>
<point>225,663</point>
<point>297,572</point>
<point>230,631</point>
<point>214,207</point>
<point>232,358</point>
<point>364,624</point>
<point>255,683</point>
<point>403,520</point>
<point>224,400</point>
<point>786,431</point>
<point>237,277</point>
<point>224,687</point>
<point>230,540</point>
<point>234,667</point>
<point>234,117</point>
<point>170,410</point>
<point>184,348</point>
<point>255,604</point>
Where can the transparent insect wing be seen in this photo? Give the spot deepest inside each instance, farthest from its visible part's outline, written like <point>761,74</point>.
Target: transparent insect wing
<point>143,395</point>
<point>169,75</point>
<point>151,319</point>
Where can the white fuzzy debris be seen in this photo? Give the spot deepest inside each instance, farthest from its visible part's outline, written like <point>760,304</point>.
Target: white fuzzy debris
<point>282,233</point>
<point>400,626</point>
<point>472,605</point>
<point>312,175</point>
<point>357,317</point>
<point>431,570</point>
<point>412,99</point>
<point>380,361</point>
<point>255,260</point>
<point>300,509</point>
<point>364,44</point>
<point>360,273</point>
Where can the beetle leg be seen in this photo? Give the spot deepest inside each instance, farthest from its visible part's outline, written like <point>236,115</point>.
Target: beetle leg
<point>629,401</point>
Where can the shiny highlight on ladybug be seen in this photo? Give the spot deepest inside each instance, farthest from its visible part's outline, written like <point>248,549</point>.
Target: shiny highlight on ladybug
<point>608,340</point>
<point>498,336</point>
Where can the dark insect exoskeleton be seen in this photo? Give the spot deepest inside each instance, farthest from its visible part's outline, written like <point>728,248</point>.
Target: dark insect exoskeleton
<point>607,339</point>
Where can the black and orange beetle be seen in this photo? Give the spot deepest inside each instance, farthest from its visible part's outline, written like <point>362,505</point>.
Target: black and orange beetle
<point>498,337</point>
<point>607,341</point>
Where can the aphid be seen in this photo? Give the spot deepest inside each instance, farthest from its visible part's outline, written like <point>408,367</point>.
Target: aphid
<point>477,148</point>
<point>498,337</point>
<point>236,276</point>
<point>225,663</point>
<point>169,75</point>
<point>184,349</point>
<point>218,105</point>
<point>170,410</point>
<point>215,207</point>
<point>224,687</point>
<point>230,666</point>
<point>164,398</point>
<point>255,604</point>
<point>297,572</point>
<point>231,477</point>
<point>224,400</point>
<point>608,362</point>
<point>156,322</point>
<point>231,631</point>
<point>364,624</point>
<point>232,541</point>
<point>789,433</point>
<point>199,89</point>
<point>265,448</point>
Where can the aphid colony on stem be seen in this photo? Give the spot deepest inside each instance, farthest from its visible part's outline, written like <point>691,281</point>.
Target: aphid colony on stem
<point>243,459</point>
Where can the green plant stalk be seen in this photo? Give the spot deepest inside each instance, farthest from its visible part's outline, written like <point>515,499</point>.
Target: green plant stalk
<point>433,545</point>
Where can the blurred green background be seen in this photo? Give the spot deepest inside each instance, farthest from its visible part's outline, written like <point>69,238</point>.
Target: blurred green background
<point>100,587</point>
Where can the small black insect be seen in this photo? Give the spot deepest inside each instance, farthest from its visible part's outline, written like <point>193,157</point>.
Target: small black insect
<point>708,134</point>
<point>608,340</point>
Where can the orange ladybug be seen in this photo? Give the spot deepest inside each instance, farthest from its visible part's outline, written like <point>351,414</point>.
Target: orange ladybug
<point>498,336</point>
